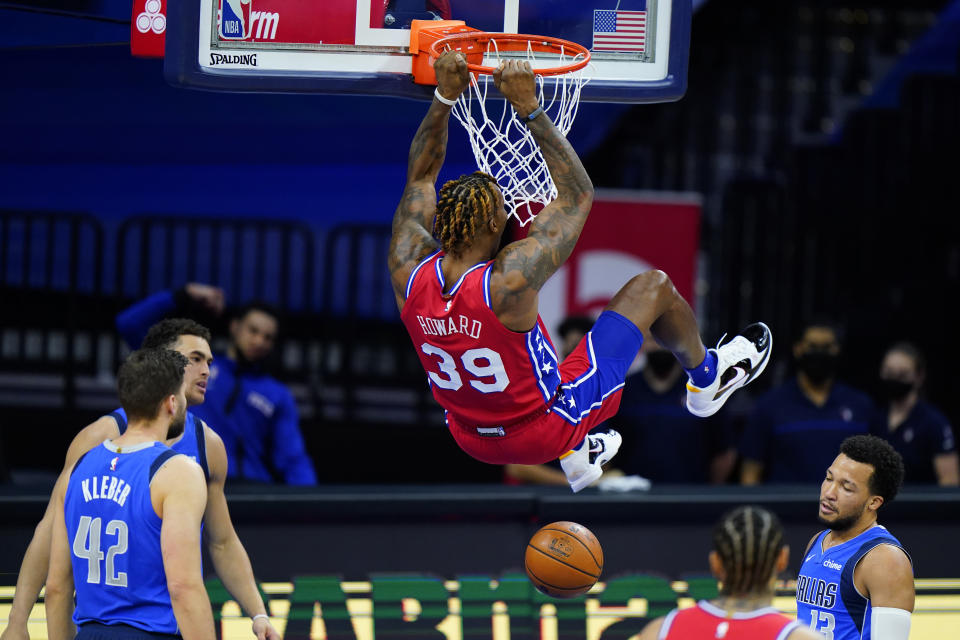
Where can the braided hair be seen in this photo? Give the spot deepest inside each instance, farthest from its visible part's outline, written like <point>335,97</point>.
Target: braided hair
<point>464,206</point>
<point>748,541</point>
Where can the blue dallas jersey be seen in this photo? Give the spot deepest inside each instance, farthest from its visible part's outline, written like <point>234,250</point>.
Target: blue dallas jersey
<point>827,600</point>
<point>192,443</point>
<point>114,536</point>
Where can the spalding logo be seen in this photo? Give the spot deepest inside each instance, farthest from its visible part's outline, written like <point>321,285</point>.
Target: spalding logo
<point>561,547</point>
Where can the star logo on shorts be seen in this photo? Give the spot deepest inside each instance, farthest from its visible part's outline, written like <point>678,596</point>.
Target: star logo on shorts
<point>571,402</point>
<point>547,367</point>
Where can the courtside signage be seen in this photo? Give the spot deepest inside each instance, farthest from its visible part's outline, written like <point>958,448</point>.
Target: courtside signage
<point>479,607</point>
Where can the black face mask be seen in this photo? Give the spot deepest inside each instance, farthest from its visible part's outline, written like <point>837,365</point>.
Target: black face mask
<point>818,365</point>
<point>894,390</point>
<point>661,363</point>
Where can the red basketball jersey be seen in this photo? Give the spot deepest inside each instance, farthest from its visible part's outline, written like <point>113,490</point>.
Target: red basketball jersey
<point>708,622</point>
<point>481,372</point>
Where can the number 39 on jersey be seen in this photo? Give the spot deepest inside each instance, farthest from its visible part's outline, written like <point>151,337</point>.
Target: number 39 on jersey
<point>482,364</point>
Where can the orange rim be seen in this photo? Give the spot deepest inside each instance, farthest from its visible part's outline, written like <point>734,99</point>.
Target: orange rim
<point>512,42</point>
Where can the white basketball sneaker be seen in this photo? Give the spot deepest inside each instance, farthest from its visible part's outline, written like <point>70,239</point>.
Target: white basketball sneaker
<point>739,362</point>
<point>583,466</point>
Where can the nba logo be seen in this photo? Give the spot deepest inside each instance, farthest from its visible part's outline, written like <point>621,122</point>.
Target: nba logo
<point>235,19</point>
<point>113,464</point>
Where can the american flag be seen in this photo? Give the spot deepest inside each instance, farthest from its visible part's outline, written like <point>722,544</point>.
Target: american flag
<point>619,30</point>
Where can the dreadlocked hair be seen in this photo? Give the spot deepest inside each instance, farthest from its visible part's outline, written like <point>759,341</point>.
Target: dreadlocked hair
<point>748,540</point>
<point>464,206</point>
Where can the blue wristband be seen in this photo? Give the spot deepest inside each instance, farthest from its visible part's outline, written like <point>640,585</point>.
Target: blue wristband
<point>533,115</point>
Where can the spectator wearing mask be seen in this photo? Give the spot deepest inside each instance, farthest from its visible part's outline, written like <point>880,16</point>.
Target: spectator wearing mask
<point>795,430</point>
<point>919,433</point>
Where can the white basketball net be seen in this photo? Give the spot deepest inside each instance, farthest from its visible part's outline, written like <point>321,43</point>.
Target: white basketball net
<point>503,145</point>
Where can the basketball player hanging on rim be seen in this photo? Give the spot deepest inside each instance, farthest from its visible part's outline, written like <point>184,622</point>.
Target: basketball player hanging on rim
<point>471,310</point>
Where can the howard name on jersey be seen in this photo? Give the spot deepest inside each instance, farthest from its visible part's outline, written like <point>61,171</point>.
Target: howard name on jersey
<point>449,326</point>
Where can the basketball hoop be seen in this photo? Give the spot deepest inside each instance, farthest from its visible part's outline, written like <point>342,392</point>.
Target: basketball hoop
<point>503,145</point>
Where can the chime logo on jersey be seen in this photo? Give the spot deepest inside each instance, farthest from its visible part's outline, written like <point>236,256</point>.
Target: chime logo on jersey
<point>235,19</point>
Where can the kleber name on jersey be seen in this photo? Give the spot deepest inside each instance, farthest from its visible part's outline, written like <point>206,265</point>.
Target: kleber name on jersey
<point>105,488</point>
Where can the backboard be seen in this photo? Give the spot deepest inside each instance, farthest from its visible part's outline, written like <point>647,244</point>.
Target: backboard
<point>639,47</point>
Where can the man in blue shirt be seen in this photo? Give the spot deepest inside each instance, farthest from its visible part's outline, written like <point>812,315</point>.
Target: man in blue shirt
<point>126,530</point>
<point>254,414</point>
<point>794,430</point>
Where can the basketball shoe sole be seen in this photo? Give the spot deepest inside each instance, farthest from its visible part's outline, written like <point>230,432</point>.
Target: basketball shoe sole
<point>583,466</point>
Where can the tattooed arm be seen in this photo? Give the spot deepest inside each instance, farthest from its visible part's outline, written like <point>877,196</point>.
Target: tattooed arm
<point>523,266</point>
<point>412,237</point>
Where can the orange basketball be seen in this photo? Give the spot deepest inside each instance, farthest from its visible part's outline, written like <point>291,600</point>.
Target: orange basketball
<point>564,559</point>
